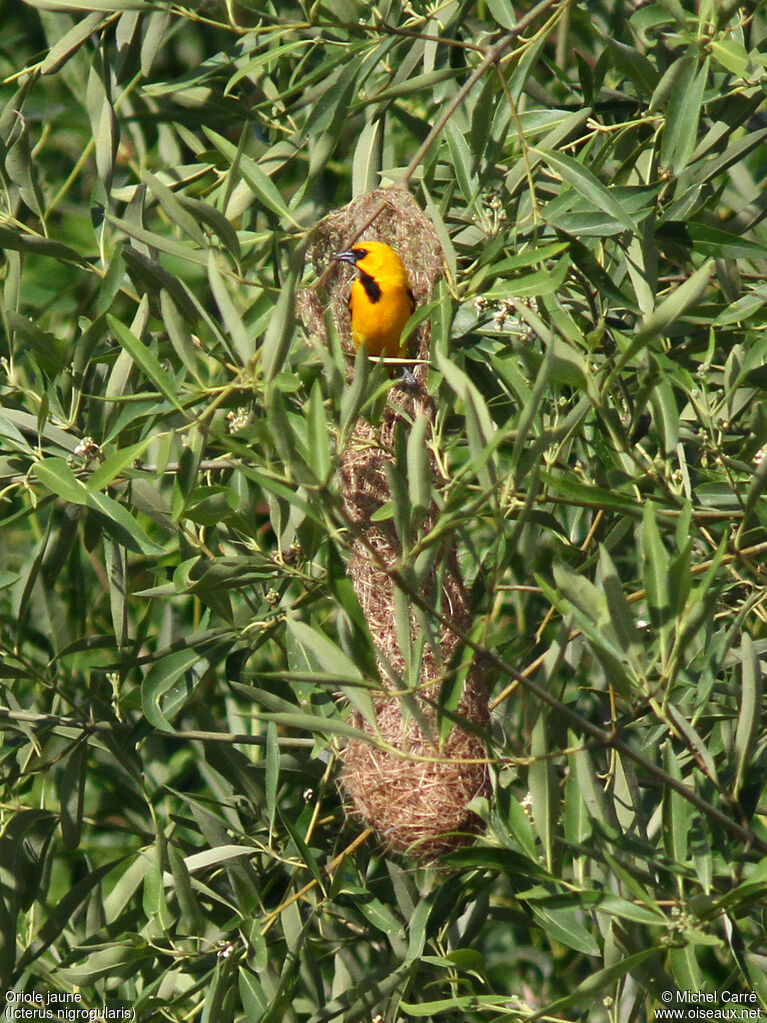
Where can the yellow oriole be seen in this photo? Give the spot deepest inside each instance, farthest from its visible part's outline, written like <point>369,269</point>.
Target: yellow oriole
<point>380,300</point>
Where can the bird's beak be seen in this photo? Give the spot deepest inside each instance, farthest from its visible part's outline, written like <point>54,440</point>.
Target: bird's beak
<point>346,257</point>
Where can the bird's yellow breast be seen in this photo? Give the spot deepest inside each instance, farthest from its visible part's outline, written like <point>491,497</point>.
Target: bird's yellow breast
<point>380,300</point>
<point>379,324</point>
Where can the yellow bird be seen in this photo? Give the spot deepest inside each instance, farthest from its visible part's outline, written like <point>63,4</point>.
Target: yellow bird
<point>380,300</point>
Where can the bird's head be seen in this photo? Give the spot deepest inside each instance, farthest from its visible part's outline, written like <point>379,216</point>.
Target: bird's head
<point>376,259</point>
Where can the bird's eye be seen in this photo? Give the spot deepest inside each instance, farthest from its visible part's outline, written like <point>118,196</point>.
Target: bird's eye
<point>360,253</point>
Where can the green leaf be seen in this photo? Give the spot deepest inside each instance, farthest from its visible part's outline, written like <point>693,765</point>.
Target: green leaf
<point>107,960</point>
<point>359,644</point>
<point>314,724</point>
<point>456,1003</point>
<point>241,341</point>
<point>587,185</point>
<point>281,329</point>
<point>382,918</point>
<point>712,241</point>
<point>258,181</point>
<point>588,991</point>
<point>620,616</point>
<point>191,920</point>
<point>71,41</point>
<point>333,101</point>
<point>366,163</point>
<point>681,127</point>
<point>22,169</point>
<point>676,813</point>
<point>751,706</point>
<point>507,861</point>
<point>655,568</point>
<point>324,656</point>
<point>564,926</point>
<point>397,477</point>
<point>283,430</point>
<point>590,495</point>
<point>591,790</point>
<point>319,436</point>
<point>71,790</point>
<point>542,782</point>
<point>482,435</point>
<point>55,474</point>
<point>542,282</point>
<point>675,305</point>
<point>272,771</point>
<point>162,243</point>
<point>417,929</point>
<point>419,475</point>
<point>639,69</point>
<point>104,124</point>
<point>78,6</point>
<point>116,564</point>
<point>461,163</point>
<point>116,463</point>
<point>665,415</point>
<point>174,208</point>
<point>175,324</point>
<point>167,685</point>
<point>146,360</point>
<point>20,241</point>
<point>708,169</point>
<point>503,12</point>
<point>51,353</point>
<point>588,606</point>
<point>59,917</point>
<point>731,54</point>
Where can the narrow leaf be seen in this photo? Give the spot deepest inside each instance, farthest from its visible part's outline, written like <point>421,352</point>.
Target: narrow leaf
<point>146,360</point>
<point>587,185</point>
<point>751,707</point>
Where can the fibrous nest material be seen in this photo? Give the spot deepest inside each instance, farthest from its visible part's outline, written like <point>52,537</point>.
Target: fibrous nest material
<point>414,780</point>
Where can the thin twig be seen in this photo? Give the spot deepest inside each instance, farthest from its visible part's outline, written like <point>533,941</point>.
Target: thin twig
<point>88,727</point>
<point>492,56</point>
<point>271,918</point>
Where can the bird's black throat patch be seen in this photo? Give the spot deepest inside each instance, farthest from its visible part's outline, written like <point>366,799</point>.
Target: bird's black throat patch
<point>372,289</point>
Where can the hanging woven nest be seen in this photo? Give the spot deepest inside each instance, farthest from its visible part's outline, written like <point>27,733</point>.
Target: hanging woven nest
<point>414,780</point>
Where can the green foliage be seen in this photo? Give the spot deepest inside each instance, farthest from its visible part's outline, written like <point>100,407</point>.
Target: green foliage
<point>176,624</point>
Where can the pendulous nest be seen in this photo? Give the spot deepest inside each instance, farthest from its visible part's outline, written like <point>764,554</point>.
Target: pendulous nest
<point>413,783</point>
